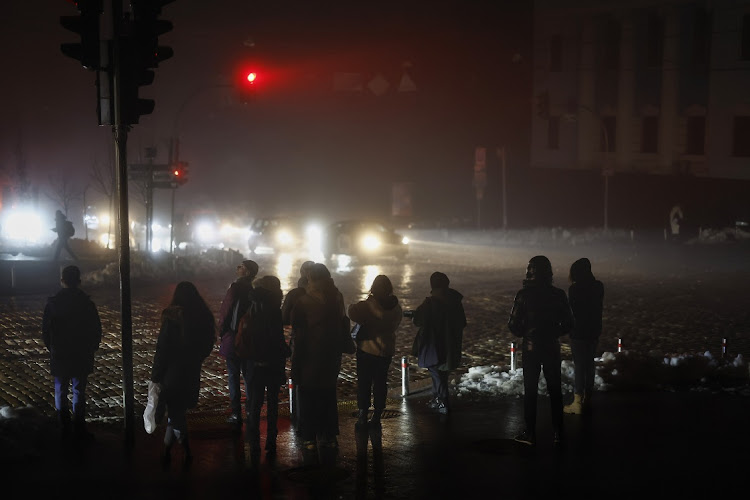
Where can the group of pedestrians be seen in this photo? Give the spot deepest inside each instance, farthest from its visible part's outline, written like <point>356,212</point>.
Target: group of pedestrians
<point>319,336</point>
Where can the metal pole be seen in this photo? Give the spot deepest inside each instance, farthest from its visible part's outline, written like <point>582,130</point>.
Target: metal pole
<point>171,225</point>
<point>120,133</point>
<point>606,175</point>
<point>505,198</point>
<point>404,375</point>
<point>512,356</point>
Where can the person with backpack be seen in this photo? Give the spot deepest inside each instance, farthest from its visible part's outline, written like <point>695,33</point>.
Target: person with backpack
<point>233,307</point>
<point>316,360</point>
<point>65,230</point>
<point>586,296</point>
<point>378,317</point>
<point>438,346</point>
<point>186,337</point>
<point>71,331</point>
<point>260,341</point>
<point>540,315</point>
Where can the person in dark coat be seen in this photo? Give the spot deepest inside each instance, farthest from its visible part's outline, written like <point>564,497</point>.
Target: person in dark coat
<point>541,315</point>
<point>586,296</point>
<point>233,306</point>
<point>295,293</point>
<point>379,317</point>
<point>186,337</point>
<point>71,331</point>
<point>267,368</point>
<point>316,360</point>
<point>441,320</point>
<point>62,228</point>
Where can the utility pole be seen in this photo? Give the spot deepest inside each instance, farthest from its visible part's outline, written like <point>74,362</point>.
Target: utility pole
<point>501,156</point>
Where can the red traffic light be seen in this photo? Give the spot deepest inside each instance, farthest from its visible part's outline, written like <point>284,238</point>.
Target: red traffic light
<point>251,77</point>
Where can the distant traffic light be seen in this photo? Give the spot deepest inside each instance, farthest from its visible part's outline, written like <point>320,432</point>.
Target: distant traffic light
<point>180,173</point>
<point>87,26</point>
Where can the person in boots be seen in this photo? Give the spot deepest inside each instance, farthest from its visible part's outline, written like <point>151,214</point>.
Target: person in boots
<point>186,338</point>
<point>71,331</point>
<point>586,296</point>
<point>267,366</point>
<point>541,315</point>
<point>438,346</point>
<point>378,317</point>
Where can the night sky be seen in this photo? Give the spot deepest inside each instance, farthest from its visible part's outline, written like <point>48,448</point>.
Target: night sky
<point>299,146</point>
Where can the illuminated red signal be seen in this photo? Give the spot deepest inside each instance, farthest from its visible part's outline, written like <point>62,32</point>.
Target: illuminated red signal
<point>251,77</point>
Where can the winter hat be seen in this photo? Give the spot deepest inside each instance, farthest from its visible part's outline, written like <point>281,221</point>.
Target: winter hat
<point>581,271</point>
<point>251,266</point>
<point>381,286</point>
<point>539,269</point>
<point>439,280</point>
<point>71,276</point>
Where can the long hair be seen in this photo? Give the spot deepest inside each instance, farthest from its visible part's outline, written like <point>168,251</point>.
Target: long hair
<point>194,309</point>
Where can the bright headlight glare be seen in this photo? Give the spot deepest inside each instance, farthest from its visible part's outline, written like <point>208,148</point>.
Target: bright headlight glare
<point>405,240</point>
<point>370,242</point>
<point>284,237</point>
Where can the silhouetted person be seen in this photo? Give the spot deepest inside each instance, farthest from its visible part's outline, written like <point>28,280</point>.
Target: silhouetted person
<point>379,317</point>
<point>586,296</point>
<point>267,366</point>
<point>71,331</point>
<point>441,320</point>
<point>541,315</point>
<point>186,338</point>
<point>316,361</point>
<point>295,293</point>
<point>64,229</point>
<point>234,305</point>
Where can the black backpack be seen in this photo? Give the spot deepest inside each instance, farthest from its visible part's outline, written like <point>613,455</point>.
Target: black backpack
<point>68,229</point>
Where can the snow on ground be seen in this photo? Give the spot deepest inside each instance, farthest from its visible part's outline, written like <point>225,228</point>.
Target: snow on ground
<point>620,371</point>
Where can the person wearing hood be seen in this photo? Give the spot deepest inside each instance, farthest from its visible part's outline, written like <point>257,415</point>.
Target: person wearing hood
<point>378,317</point>
<point>295,293</point>
<point>71,331</point>
<point>186,337</point>
<point>586,295</point>
<point>441,320</point>
<point>64,229</point>
<point>540,315</point>
<point>267,366</point>
<point>316,360</point>
<point>234,305</point>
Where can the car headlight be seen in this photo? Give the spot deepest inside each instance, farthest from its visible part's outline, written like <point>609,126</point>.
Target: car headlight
<point>405,240</point>
<point>371,242</point>
<point>284,237</point>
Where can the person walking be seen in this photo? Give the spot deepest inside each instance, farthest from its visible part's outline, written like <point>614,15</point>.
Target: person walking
<point>65,230</point>
<point>441,320</point>
<point>267,365</point>
<point>186,337</point>
<point>586,296</point>
<point>541,315</point>
<point>72,332</point>
<point>378,317</point>
<point>316,360</point>
<point>233,306</point>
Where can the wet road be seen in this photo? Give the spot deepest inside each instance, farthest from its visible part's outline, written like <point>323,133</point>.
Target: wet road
<point>672,299</point>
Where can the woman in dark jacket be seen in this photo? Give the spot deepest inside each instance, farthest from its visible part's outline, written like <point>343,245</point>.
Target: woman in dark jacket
<point>378,316</point>
<point>186,338</point>
<point>586,296</point>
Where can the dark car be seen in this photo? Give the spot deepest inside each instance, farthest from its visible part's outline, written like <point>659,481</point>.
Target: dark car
<point>362,238</point>
<point>276,234</point>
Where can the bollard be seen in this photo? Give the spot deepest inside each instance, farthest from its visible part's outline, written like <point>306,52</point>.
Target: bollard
<point>724,347</point>
<point>291,397</point>
<point>404,375</point>
<point>619,345</point>
<point>512,356</point>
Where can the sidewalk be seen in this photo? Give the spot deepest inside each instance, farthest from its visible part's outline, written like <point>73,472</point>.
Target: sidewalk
<point>636,444</point>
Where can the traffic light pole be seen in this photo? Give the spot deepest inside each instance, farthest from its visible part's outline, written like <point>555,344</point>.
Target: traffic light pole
<point>120,132</point>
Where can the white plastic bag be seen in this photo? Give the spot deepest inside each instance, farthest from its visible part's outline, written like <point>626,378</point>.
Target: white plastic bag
<point>149,414</point>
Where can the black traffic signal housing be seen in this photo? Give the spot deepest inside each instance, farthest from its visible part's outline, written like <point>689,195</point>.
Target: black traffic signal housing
<point>87,51</point>
<point>140,53</point>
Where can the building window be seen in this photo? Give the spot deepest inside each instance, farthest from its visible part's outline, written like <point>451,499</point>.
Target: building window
<point>608,143</point>
<point>741,143</point>
<point>650,135</point>
<point>555,53</point>
<point>553,132</point>
<point>745,48</point>
<point>702,37</point>
<point>696,135</point>
<point>654,41</point>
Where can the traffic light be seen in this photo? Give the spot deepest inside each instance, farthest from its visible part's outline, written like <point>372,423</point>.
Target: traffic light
<point>87,26</point>
<point>180,173</point>
<point>140,52</point>
<point>249,81</point>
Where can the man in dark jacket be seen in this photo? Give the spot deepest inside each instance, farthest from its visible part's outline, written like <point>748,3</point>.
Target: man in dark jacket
<point>233,306</point>
<point>441,320</point>
<point>586,294</point>
<point>540,315</point>
<point>71,331</point>
<point>295,293</point>
<point>64,230</point>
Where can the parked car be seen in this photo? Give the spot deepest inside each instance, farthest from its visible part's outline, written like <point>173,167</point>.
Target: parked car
<point>276,234</point>
<point>363,238</point>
